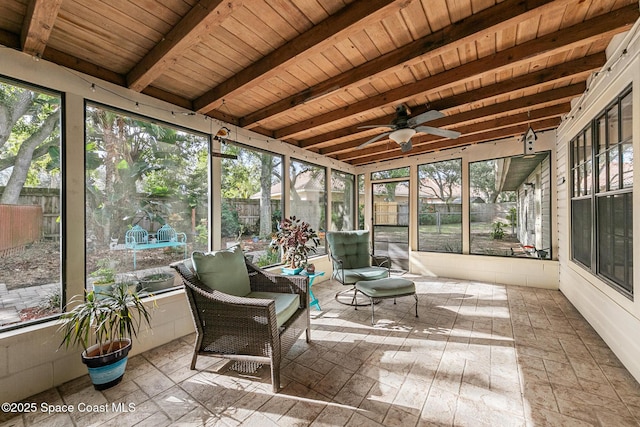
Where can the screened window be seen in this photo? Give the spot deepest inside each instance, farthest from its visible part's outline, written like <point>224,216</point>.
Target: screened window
<point>30,201</point>
<point>581,211</point>
<point>360,202</point>
<point>602,220</point>
<point>146,198</point>
<point>307,197</point>
<point>440,206</point>
<point>342,200</point>
<point>251,201</point>
<point>510,206</point>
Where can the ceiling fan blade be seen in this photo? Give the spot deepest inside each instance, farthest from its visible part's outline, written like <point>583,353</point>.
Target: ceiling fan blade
<point>374,139</point>
<point>374,126</point>
<point>439,132</point>
<point>424,117</point>
<point>406,146</point>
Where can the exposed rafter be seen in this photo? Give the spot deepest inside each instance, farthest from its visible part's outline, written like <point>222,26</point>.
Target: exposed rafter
<point>443,144</point>
<point>477,25</point>
<point>469,130</point>
<point>316,74</point>
<point>199,20</point>
<point>350,19</point>
<point>547,98</point>
<point>545,46</point>
<point>38,22</point>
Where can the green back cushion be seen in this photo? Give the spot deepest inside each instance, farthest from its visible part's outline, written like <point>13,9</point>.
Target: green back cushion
<point>352,247</point>
<point>223,270</point>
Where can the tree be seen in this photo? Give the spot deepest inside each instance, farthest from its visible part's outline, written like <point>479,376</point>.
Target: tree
<point>443,180</point>
<point>128,157</point>
<point>252,172</point>
<point>482,177</point>
<point>29,130</point>
<point>267,172</point>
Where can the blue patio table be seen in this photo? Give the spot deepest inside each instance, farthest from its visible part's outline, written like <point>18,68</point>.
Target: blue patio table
<point>313,299</point>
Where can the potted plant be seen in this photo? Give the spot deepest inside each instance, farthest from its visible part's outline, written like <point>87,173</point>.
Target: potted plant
<point>297,240</point>
<point>103,278</point>
<point>156,281</point>
<point>104,328</point>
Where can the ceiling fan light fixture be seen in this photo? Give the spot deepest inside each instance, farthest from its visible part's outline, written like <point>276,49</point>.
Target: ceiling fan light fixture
<point>402,136</point>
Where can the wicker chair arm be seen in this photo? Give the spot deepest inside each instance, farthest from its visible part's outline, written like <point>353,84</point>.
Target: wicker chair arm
<point>264,281</point>
<point>197,286</point>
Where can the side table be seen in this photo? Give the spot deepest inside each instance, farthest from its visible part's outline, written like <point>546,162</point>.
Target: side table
<point>312,298</point>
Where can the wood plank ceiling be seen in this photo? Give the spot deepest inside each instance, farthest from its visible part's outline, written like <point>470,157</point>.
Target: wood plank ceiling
<point>311,72</point>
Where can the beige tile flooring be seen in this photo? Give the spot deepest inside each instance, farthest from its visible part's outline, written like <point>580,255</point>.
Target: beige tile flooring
<point>479,355</point>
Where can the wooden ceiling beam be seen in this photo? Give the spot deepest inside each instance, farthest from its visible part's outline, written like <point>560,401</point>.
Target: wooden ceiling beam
<point>492,19</point>
<point>75,63</point>
<point>534,112</point>
<point>197,22</point>
<point>578,69</point>
<point>545,98</point>
<point>469,130</point>
<point>602,26</point>
<point>37,25</point>
<point>350,19</point>
<point>491,135</point>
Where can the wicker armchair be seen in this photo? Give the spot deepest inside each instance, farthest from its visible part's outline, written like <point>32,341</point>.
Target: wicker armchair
<point>245,329</point>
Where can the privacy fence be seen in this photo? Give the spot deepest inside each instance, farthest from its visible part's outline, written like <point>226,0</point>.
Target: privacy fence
<point>34,217</point>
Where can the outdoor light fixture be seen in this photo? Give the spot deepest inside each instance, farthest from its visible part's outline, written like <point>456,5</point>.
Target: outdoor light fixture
<point>402,136</point>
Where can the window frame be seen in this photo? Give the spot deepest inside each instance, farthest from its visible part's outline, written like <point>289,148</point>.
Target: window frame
<point>352,201</point>
<point>90,103</point>
<point>597,128</point>
<point>420,204</point>
<point>62,273</point>
<point>322,228</point>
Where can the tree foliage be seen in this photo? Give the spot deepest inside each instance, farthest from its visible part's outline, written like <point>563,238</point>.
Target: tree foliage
<point>137,169</point>
<point>442,180</point>
<point>29,139</point>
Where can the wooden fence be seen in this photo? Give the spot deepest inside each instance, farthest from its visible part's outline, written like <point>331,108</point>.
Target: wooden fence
<point>19,226</point>
<point>49,201</point>
<point>249,211</point>
<point>391,213</point>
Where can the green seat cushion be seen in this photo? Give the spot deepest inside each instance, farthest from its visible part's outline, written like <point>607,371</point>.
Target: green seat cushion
<point>386,288</point>
<point>286,304</point>
<point>353,275</point>
<point>223,270</point>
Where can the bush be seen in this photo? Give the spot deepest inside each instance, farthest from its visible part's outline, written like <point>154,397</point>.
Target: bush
<point>498,230</point>
<point>269,257</point>
<point>230,225</point>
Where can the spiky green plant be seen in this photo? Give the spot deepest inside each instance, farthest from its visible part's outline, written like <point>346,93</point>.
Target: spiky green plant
<point>104,321</point>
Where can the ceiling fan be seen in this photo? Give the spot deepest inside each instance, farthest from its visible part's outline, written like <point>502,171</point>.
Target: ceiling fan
<point>404,127</point>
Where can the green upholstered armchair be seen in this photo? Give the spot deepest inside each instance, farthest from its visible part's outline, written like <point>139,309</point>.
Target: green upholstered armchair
<point>352,260</point>
<point>242,312</point>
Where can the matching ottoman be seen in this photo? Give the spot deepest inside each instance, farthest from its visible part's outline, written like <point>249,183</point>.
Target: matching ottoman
<point>390,287</point>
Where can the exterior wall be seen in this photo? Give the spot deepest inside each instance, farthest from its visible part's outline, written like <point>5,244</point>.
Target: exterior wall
<point>537,207</point>
<point>615,317</point>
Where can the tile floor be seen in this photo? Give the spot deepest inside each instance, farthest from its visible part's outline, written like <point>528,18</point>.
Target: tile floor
<point>478,355</point>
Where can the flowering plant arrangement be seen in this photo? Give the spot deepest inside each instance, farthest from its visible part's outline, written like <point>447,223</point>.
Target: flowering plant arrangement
<point>297,240</point>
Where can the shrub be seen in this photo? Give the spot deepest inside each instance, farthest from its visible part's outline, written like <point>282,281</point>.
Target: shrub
<point>498,230</point>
